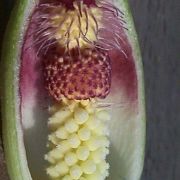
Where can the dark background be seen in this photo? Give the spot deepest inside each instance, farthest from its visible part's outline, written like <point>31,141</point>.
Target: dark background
<point>158,26</point>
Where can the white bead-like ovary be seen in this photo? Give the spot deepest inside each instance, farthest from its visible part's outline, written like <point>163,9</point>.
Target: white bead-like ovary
<point>80,143</point>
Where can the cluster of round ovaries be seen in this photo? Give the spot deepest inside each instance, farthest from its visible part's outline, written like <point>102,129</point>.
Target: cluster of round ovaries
<point>78,75</point>
<point>78,143</point>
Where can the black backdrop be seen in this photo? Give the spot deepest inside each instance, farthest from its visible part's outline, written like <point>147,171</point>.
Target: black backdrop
<point>158,26</point>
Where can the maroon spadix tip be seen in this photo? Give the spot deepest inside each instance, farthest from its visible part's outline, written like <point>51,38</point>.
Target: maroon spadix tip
<point>70,3</point>
<point>78,75</point>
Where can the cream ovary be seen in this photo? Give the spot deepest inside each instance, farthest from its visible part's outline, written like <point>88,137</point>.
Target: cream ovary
<point>82,153</point>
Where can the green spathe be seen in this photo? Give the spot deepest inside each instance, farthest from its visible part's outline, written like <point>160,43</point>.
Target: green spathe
<point>12,129</point>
